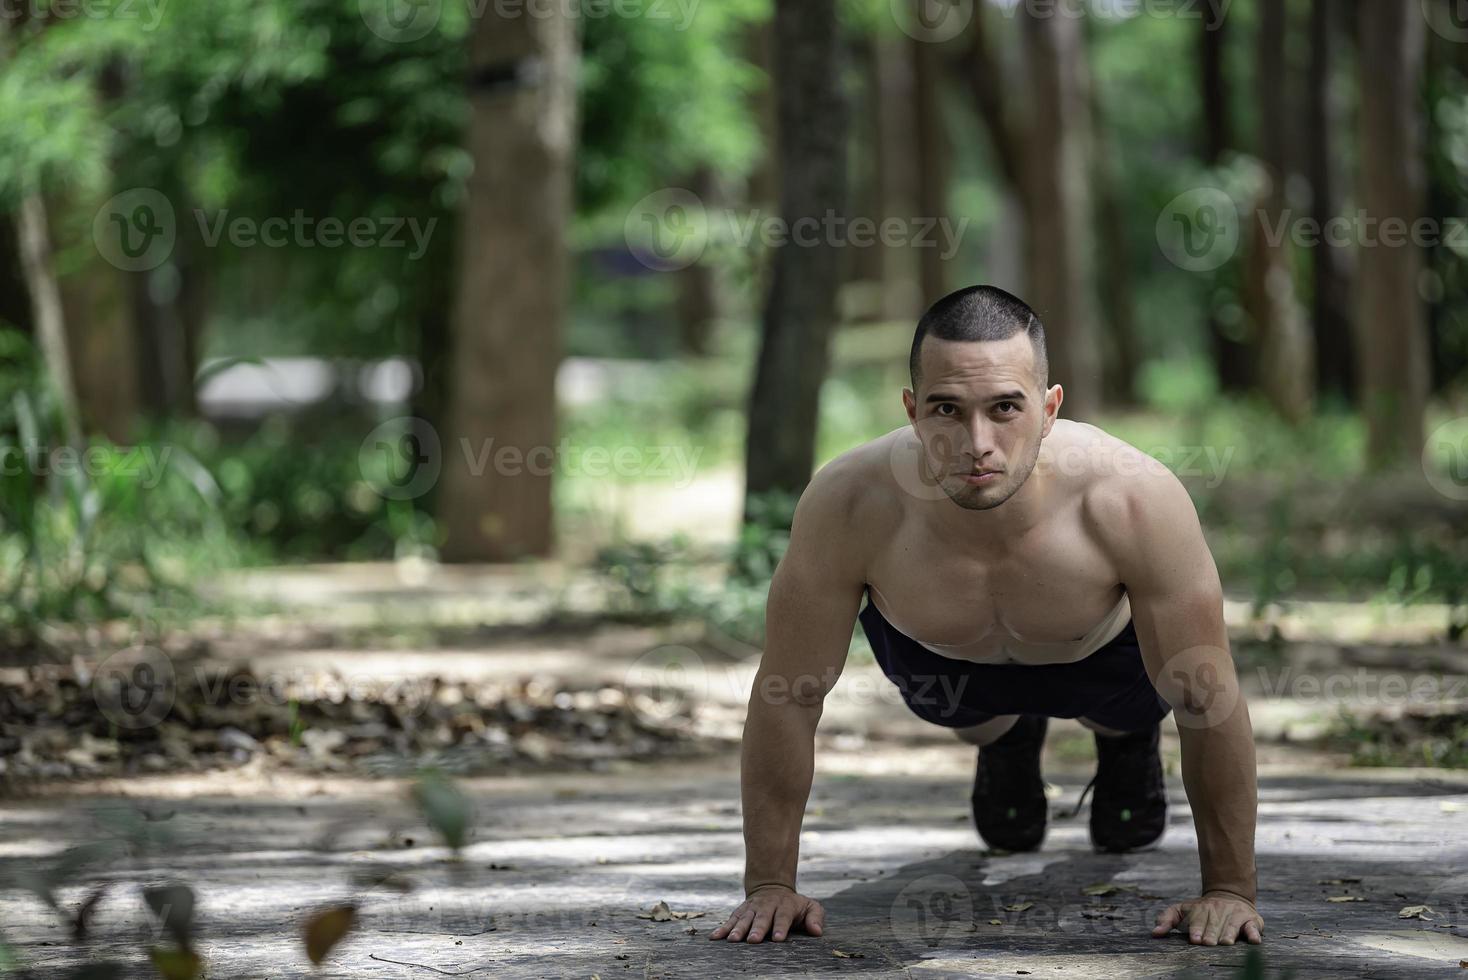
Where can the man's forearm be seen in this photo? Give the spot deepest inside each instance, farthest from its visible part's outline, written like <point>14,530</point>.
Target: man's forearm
<point>776,765</point>
<point>1219,774</point>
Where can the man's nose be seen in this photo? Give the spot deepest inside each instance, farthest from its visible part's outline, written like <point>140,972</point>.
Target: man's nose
<point>981,442</point>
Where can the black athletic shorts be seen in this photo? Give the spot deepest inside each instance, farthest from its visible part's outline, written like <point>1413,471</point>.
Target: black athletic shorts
<point>1110,687</point>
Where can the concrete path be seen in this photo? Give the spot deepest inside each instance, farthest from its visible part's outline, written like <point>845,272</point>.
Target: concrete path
<point>560,867</point>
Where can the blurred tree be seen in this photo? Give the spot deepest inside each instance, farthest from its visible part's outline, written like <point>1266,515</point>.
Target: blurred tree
<point>495,498</point>
<point>48,314</point>
<point>1393,348</point>
<point>1122,360</point>
<point>800,311</point>
<point>1231,353</point>
<point>700,294</point>
<point>1330,276</point>
<point>14,298</point>
<point>933,149</point>
<point>1286,366</point>
<point>1042,148</point>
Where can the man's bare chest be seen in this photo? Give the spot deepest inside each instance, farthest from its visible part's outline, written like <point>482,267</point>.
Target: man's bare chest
<point>1053,601</point>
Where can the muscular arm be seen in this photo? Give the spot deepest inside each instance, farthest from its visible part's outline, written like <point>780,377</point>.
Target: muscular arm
<point>812,605</point>
<point>1177,607</point>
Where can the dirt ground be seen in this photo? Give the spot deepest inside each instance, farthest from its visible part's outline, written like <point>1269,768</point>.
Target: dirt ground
<point>1362,872</point>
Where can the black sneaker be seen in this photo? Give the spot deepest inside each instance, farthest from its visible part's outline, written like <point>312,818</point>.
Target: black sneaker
<point>1129,810</point>
<point>1009,802</point>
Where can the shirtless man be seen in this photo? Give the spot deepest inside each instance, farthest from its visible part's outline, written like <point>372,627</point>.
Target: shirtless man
<point>1014,567</point>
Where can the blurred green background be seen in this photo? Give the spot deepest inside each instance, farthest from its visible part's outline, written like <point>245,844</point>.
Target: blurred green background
<point>223,390</point>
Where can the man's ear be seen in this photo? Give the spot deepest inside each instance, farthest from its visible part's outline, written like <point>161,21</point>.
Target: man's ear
<point>1053,398</point>
<point>909,402</point>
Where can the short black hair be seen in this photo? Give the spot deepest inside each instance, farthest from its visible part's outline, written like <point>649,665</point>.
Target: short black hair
<point>980,313</point>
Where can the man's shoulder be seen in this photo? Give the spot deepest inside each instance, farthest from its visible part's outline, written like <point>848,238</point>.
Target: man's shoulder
<point>858,484</point>
<point>1123,490</point>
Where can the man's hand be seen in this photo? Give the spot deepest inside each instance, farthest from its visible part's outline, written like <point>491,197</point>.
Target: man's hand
<point>772,906</point>
<point>1218,918</point>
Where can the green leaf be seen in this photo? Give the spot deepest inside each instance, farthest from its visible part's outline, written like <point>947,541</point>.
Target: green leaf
<point>448,810</point>
<point>176,964</point>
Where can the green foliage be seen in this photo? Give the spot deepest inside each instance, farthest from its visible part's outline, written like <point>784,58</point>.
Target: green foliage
<point>661,98</point>
<point>1435,741</point>
<point>296,490</point>
<point>91,531</point>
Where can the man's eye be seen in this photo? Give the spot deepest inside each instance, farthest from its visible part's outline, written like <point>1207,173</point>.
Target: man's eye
<point>945,405</point>
<point>1005,407</point>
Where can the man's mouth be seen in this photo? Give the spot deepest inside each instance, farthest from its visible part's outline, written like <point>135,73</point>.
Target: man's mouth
<point>981,476</point>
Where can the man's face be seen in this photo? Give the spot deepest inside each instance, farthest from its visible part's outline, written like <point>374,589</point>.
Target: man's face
<point>980,413</point>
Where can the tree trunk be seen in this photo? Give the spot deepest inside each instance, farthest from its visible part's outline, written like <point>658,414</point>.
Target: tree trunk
<point>1286,349</point>
<point>800,312</point>
<point>1059,244</point>
<point>897,174</point>
<point>47,313</point>
<point>511,294</point>
<point>98,314</point>
<point>1392,339</point>
<point>699,297</point>
<point>1331,284</point>
<point>1114,283</point>
<point>15,303</point>
<point>931,144</point>
<point>1230,347</point>
<point>167,330</point>
<point>764,183</point>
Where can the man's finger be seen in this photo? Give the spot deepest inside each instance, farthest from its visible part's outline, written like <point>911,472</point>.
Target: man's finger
<point>784,915</point>
<point>815,919</point>
<point>1217,919</point>
<point>1197,922</point>
<point>746,915</point>
<point>761,925</point>
<point>1253,932</point>
<point>1166,919</point>
<point>1232,926</point>
<point>723,930</point>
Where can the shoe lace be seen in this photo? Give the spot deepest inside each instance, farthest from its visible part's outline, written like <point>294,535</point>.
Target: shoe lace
<point>1082,801</point>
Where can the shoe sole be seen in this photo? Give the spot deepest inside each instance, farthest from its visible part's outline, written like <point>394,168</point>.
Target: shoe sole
<point>1134,850</point>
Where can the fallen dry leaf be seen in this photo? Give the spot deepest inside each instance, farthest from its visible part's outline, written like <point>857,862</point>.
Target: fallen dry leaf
<point>1415,912</point>
<point>327,928</point>
<point>661,913</point>
<point>840,954</point>
<point>1102,888</point>
<point>1019,907</point>
<point>996,922</point>
<point>1339,881</point>
<point>1345,898</point>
